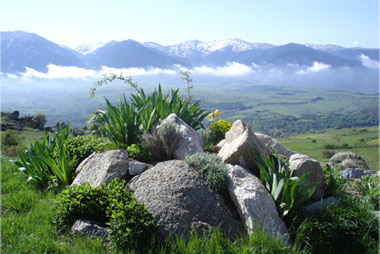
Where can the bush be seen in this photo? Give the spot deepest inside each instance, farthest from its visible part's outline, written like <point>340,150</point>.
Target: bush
<point>131,225</point>
<point>346,227</point>
<point>80,147</point>
<point>327,153</point>
<point>40,118</point>
<point>211,168</point>
<point>369,189</point>
<point>219,129</point>
<point>139,153</point>
<point>10,143</point>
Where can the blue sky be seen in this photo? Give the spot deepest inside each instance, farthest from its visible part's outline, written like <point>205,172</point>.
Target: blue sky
<point>73,22</point>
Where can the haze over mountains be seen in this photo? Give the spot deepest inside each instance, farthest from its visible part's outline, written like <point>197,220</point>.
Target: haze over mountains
<point>215,61</point>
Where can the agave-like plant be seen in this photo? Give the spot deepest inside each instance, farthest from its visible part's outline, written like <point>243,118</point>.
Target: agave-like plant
<point>288,191</point>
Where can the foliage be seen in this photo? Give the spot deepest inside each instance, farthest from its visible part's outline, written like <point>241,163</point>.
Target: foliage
<point>120,124</point>
<point>161,141</point>
<point>79,148</point>
<point>131,225</point>
<point>211,168</point>
<point>41,163</point>
<point>95,122</point>
<point>139,153</point>
<point>218,130</point>
<point>369,189</point>
<point>346,227</point>
<point>335,182</point>
<point>289,192</point>
<point>41,118</point>
<point>10,143</point>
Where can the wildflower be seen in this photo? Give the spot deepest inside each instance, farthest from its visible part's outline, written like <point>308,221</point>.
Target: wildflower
<point>217,112</point>
<point>211,116</point>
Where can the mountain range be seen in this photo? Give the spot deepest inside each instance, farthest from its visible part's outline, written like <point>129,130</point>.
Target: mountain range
<point>20,49</point>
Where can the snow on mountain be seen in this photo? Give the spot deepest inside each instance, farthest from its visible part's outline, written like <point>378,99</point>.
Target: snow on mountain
<point>86,49</point>
<point>325,48</point>
<point>193,48</point>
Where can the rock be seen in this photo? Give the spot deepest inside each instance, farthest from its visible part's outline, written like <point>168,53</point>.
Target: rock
<point>221,143</point>
<point>253,202</point>
<point>14,116</point>
<point>39,124</point>
<point>370,172</point>
<point>270,143</point>
<point>238,147</point>
<point>352,173</point>
<point>60,123</point>
<point>354,161</point>
<point>102,168</point>
<point>181,201</point>
<point>318,206</point>
<point>303,164</point>
<point>136,168</point>
<point>187,141</point>
<point>90,229</point>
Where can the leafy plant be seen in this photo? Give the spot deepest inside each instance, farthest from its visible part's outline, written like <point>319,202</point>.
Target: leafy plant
<point>41,163</point>
<point>120,124</point>
<point>131,225</point>
<point>80,147</point>
<point>345,227</point>
<point>369,189</point>
<point>211,168</point>
<point>139,152</point>
<point>289,192</point>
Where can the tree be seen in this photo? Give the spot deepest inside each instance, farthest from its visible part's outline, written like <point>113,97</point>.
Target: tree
<point>186,76</point>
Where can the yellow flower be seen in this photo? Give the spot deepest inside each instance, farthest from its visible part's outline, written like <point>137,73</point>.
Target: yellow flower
<point>211,116</point>
<point>217,112</point>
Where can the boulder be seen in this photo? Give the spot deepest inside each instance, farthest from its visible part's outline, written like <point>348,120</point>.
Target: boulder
<point>303,164</point>
<point>221,143</point>
<point>181,201</point>
<point>90,229</point>
<point>343,160</point>
<point>238,147</point>
<point>352,173</point>
<point>370,172</point>
<point>186,142</point>
<point>102,168</point>
<point>272,144</point>
<point>14,116</point>
<point>136,168</point>
<point>318,206</point>
<point>253,202</point>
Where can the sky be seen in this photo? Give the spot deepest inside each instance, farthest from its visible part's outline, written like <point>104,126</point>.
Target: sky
<point>348,23</point>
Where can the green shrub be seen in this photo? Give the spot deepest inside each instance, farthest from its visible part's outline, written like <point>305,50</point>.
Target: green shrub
<point>139,153</point>
<point>289,192</point>
<point>10,139</point>
<point>211,168</point>
<point>41,118</point>
<point>369,189</point>
<point>219,129</point>
<point>46,161</point>
<point>131,225</point>
<point>346,227</point>
<point>80,147</point>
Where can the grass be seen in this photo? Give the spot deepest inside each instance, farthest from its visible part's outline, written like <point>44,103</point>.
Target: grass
<point>360,139</point>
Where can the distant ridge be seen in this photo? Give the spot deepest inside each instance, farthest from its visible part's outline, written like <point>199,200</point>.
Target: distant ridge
<point>21,49</point>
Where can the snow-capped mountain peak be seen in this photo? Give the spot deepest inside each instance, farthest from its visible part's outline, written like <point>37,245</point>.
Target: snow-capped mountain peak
<point>85,49</point>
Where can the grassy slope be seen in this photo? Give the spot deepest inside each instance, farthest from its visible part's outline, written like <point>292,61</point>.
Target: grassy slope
<point>303,143</point>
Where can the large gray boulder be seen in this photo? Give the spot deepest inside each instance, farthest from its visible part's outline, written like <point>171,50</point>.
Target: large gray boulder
<point>102,168</point>
<point>186,142</point>
<point>253,202</point>
<point>180,200</point>
<point>238,147</point>
<point>343,160</point>
<point>14,116</point>
<point>352,173</point>
<point>303,164</point>
<point>272,144</point>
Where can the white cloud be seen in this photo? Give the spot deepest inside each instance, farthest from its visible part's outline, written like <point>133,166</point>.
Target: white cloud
<point>368,62</point>
<point>134,71</point>
<point>356,43</point>
<point>230,69</point>
<point>316,67</point>
<point>55,71</point>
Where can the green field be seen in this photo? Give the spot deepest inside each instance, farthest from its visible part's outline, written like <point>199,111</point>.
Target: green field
<point>364,142</point>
